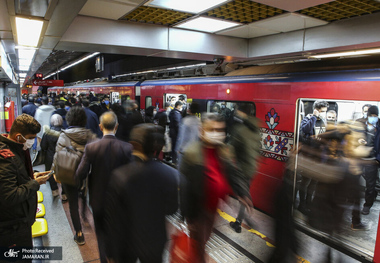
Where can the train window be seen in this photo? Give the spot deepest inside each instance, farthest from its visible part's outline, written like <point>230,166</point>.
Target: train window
<point>173,98</point>
<point>329,185</point>
<point>148,101</point>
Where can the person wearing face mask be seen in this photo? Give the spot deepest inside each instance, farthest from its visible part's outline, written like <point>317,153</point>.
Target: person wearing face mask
<point>101,158</point>
<point>175,119</point>
<point>312,125</point>
<point>363,119</point>
<point>18,183</point>
<point>330,119</point>
<point>209,168</point>
<point>105,105</point>
<point>371,168</point>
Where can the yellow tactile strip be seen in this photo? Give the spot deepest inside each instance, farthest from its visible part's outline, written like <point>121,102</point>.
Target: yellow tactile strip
<point>152,15</point>
<point>341,9</point>
<point>244,11</point>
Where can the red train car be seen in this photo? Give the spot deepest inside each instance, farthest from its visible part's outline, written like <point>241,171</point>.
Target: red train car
<point>281,101</point>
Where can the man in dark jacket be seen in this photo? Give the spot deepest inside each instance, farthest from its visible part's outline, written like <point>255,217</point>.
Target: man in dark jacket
<point>139,197</point>
<point>92,119</point>
<point>209,169</point>
<point>175,119</point>
<point>18,183</point>
<point>312,125</point>
<point>61,111</point>
<point>30,108</point>
<point>372,126</point>
<point>101,158</point>
<point>245,138</point>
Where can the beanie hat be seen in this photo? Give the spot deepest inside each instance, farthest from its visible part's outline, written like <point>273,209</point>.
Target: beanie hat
<point>373,110</point>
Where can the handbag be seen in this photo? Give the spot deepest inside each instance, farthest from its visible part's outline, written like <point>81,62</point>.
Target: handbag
<point>183,248</point>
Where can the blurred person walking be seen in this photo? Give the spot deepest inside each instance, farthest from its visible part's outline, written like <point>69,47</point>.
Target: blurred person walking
<point>75,137</point>
<point>188,130</point>
<point>139,196</point>
<point>48,145</point>
<point>208,166</point>
<point>100,158</point>
<point>18,184</point>
<point>245,139</point>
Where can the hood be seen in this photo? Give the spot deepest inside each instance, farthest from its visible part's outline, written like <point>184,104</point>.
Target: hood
<point>78,135</point>
<point>53,132</point>
<point>46,108</point>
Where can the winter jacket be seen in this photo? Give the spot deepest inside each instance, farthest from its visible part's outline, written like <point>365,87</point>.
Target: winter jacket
<point>193,169</point>
<point>93,122</point>
<point>48,144</point>
<point>309,124</point>
<point>77,137</point>
<point>162,118</point>
<point>18,191</point>
<point>245,139</point>
<point>62,112</point>
<point>188,132</point>
<point>175,119</point>
<point>29,109</point>
<point>43,114</point>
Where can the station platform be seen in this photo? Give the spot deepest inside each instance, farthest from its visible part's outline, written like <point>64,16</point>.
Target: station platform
<point>225,245</point>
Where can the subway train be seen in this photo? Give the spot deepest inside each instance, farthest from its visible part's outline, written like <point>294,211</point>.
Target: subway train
<point>281,101</point>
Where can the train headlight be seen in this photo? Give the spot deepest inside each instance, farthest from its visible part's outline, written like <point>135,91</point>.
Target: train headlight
<point>228,91</point>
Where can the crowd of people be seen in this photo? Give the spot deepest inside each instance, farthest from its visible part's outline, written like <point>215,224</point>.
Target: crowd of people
<point>115,151</point>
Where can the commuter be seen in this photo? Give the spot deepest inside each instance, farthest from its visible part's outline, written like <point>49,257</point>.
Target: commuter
<point>95,106</point>
<point>48,145</point>
<point>99,160</point>
<point>245,139</point>
<point>371,168</point>
<point>125,122</point>
<point>175,119</point>
<point>68,105</point>
<point>136,114</point>
<point>150,112</point>
<point>137,191</point>
<point>77,136</point>
<point>18,183</point>
<point>210,172</point>
<point>61,111</point>
<point>43,114</point>
<point>363,119</point>
<point>162,118</point>
<point>30,108</point>
<point>182,99</point>
<point>311,126</point>
<point>188,130</point>
<point>105,104</point>
<point>331,117</point>
<point>92,119</point>
<point>24,100</point>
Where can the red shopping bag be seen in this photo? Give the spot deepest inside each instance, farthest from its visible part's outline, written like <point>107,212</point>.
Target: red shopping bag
<point>183,249</point>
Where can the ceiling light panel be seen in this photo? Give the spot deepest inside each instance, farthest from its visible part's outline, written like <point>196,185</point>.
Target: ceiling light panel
<point>28,31</point>
<point>26,53</point>
<point>348,53</point>
<point>207,24</point>
<point>194,6</point>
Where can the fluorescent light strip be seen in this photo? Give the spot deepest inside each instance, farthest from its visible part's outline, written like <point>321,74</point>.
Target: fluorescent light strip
<point>160,70</point>
<point>72,64</point>
<point>348,53</point>
<point>28,31</point>
<point>207,24</point>
<point>193,6</point>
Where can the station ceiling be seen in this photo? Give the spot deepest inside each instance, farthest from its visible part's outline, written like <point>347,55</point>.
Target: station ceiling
<point>265,29</point>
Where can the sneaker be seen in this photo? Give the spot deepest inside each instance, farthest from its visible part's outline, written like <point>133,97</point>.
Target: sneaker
<point>359,226</point>
<point>79,239</point>
<point>236,226</point>
<point>55,193</point>
<point>365,210</point>
<point>64,198</point>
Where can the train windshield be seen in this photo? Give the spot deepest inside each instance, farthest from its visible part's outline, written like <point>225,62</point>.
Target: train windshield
<point>335,177</point>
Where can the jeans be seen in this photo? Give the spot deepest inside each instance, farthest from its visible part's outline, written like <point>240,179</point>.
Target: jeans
<point>72,196</point>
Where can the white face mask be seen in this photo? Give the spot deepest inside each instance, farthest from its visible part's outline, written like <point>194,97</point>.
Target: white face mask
<point>322,115</point>
<point>28,144</point>
<point>214,137</point>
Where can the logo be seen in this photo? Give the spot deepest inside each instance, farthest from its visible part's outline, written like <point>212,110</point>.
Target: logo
<point>11,253</point>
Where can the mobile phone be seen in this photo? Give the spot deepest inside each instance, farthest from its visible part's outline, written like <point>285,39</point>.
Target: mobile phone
<point>51,173</point>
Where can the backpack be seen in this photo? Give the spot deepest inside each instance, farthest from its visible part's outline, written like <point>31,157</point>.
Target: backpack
<point>66,164</point>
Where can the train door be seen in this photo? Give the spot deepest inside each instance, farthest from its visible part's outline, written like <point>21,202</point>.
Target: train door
<point>329,171</point>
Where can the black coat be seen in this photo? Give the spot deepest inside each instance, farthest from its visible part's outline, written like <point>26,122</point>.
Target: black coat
<point>139,197</point>
<point>18,191</point>
<point>62,112</point>
<point>101,158</point>
<point>93,122</point>
<point>175,119</point>
<point>48,144</point>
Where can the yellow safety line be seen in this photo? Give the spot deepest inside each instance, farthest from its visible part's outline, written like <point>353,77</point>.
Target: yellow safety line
<point>229,218</point>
